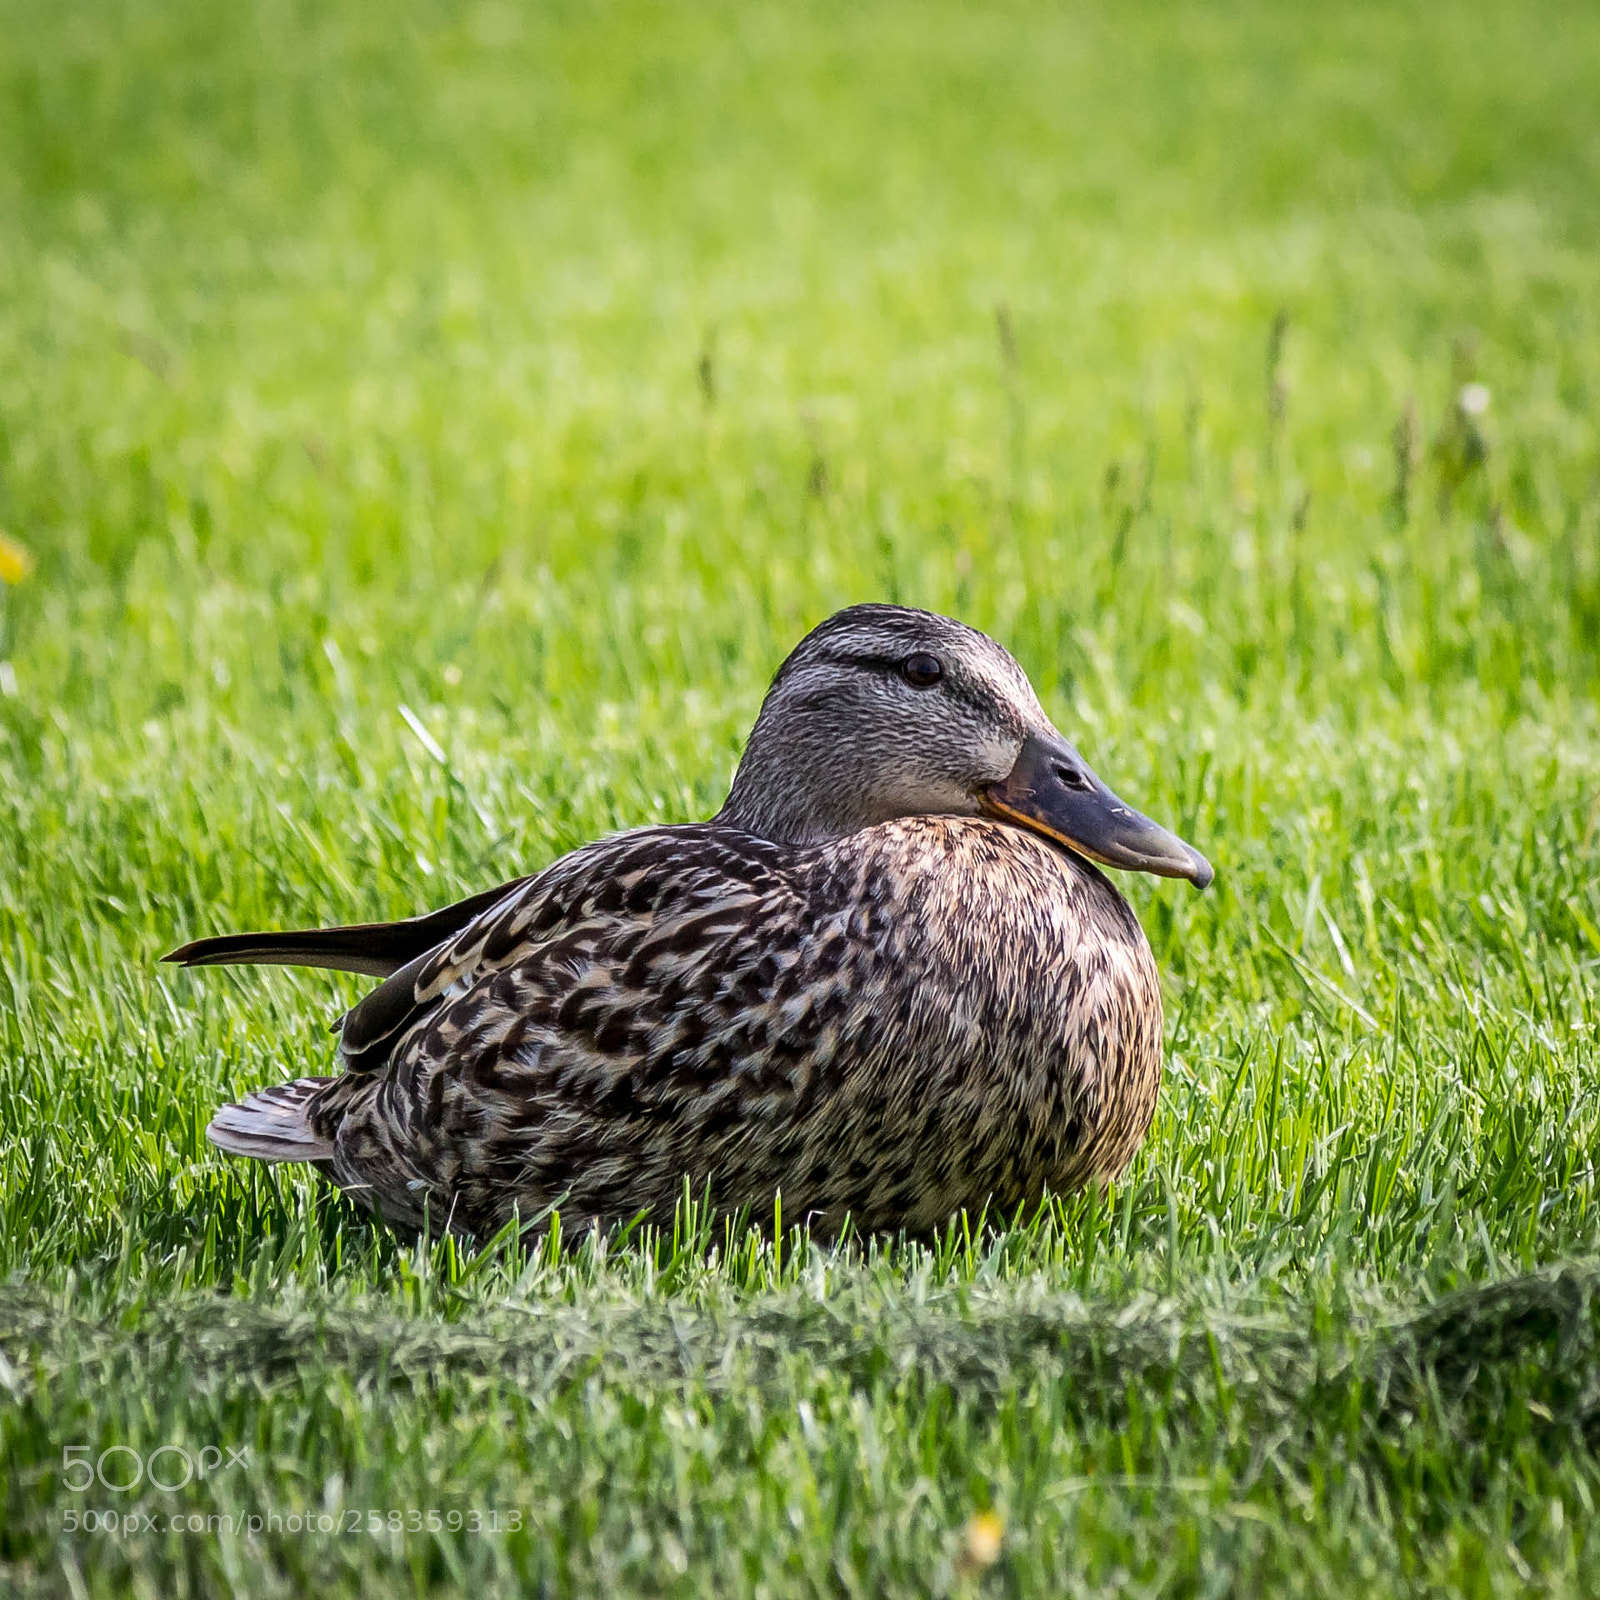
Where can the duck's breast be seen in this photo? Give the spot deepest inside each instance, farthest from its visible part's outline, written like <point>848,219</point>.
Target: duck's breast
<point>1015,992</point>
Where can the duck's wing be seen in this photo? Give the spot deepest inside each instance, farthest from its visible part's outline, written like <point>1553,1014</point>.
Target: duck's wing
<point>660,890</point>
<point>374,948</point>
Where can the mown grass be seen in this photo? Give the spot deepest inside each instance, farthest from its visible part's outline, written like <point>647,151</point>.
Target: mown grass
<point>429,427</point>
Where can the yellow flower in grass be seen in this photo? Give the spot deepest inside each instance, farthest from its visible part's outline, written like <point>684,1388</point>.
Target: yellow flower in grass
<point>15,562</point>
<point>980,1543</point>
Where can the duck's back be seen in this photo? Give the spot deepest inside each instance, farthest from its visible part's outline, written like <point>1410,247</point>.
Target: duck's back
<point>930,1014</point>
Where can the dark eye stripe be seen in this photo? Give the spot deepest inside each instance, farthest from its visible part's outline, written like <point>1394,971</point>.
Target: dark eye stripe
<point>890,666</point>
<point>952,684</point>
<point>886,664</point>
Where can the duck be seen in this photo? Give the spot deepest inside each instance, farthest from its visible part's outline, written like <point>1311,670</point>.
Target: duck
<point>887,983</point>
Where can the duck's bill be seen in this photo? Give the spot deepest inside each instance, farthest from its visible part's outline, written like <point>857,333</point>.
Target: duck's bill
<point>1052,790</point>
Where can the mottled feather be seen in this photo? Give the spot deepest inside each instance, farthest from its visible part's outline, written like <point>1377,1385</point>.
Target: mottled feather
<point>695,1002</point>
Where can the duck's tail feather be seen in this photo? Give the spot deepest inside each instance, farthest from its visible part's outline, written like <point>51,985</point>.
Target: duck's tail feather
<point>375,948</point>
<point>273,1124</point>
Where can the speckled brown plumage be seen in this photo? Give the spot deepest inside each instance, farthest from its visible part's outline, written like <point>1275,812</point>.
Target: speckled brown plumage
<point>888,1022</point>
<point>697,1002</point>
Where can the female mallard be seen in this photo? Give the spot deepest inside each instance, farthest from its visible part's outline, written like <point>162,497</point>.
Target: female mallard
<point>882,981</point>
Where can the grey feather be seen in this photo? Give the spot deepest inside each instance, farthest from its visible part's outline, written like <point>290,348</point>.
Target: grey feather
<point>272,1124</point>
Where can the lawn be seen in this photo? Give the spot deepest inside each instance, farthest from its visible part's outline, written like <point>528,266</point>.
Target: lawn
<point>423,431</point>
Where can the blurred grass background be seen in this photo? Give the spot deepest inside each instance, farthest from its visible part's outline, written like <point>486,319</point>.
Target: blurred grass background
<point>423,430</point>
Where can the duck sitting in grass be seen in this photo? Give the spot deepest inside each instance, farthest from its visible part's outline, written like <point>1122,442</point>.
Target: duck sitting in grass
<point>884,982</point>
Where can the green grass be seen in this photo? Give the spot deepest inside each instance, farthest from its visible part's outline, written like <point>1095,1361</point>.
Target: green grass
<point>431,426</point>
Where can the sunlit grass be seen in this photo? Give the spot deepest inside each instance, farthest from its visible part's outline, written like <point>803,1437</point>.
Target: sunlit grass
<point>422,433</point>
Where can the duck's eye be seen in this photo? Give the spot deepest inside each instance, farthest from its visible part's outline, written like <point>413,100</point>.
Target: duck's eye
<point>921,671</point>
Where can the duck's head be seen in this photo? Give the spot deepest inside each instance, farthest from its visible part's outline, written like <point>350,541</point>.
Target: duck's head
<point>884,712</point>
